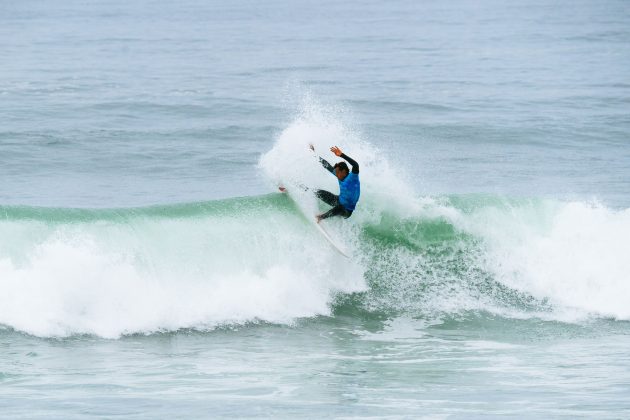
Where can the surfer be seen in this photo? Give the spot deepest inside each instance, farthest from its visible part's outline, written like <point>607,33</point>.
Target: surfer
<point>349,186</point>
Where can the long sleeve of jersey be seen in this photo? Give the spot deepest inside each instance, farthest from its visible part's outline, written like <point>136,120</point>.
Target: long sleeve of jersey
<point>327,165</point>
<point>352,162</point>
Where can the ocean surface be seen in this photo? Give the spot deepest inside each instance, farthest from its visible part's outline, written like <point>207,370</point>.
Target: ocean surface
<point>149,268</point>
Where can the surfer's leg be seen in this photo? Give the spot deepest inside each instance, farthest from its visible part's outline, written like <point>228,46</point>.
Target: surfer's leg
<point>338,210</point>
<point>327,197</point>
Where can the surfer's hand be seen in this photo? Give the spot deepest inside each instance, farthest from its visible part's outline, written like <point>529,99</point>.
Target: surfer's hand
<point>337,151</point>
<point>310,146</point>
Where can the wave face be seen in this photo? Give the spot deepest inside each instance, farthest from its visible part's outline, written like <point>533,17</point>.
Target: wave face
<point>201,265</point>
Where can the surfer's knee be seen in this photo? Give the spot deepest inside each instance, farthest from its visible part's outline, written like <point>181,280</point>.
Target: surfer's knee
<point>327,197</point>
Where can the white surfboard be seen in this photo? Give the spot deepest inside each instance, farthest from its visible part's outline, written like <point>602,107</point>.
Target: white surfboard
<point>337,247</point>
<point>312,217</point>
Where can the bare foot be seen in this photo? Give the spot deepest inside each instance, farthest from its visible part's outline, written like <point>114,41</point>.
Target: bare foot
<point>318,218</point>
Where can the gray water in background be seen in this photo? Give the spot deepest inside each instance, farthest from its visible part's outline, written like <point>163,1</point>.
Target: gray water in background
<point>130,103</point>
<point>324,369</point>
<point>109,104</point>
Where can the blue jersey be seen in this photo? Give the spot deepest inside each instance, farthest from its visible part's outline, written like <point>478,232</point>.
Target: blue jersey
<point>349,191</point>
<point>350,187</point>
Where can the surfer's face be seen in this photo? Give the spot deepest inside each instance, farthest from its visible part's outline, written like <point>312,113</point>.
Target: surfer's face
<point>341,173</point>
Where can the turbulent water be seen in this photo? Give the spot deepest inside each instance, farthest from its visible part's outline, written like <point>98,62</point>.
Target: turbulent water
<point>236,261</point>
<point>150,268</point>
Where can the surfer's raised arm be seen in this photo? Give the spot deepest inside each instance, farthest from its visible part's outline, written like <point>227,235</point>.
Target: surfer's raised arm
<point>337,151</point>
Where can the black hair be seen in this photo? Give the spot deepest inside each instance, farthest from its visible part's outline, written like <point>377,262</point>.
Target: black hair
<point>342,166</point>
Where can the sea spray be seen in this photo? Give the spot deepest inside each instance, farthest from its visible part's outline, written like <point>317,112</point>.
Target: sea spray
<point>290,159</point>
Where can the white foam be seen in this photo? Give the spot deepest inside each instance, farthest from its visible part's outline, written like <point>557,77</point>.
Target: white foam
<point>145,275</point>
<point>573,254</point>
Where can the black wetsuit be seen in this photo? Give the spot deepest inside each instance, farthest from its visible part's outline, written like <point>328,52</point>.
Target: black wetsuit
<point>345,206</point>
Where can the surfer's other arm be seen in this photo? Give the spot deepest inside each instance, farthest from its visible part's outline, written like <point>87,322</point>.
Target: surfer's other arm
<point>337,151</point>
<point>323,161</point>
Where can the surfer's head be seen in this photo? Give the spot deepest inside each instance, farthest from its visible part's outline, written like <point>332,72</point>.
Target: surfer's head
<point>341,170</point>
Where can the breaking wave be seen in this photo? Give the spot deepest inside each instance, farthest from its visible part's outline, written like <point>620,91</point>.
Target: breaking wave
<point>110,272</point>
